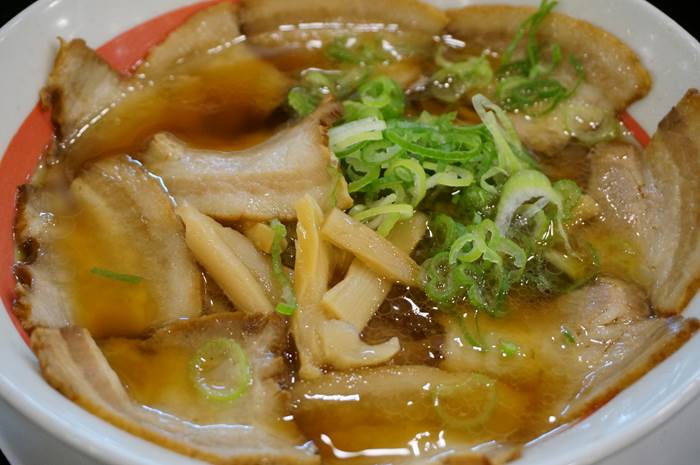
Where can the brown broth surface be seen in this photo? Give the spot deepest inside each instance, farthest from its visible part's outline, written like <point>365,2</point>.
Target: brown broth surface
<point>533,385</point>
<point>102,305</point>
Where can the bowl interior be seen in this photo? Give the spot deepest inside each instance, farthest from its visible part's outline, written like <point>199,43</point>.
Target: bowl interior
<point>671,54</point>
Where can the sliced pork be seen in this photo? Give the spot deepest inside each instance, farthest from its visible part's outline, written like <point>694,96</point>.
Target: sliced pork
<point>133,396</point>
<point>380,409</point>
<point>614,75</point>
<point>211,84</point>
<point>268,15</point>
<point>653,198</point>
<point>205,32</point>
<point>585,346</point>
<point>259,183</point>
<point>108,253</point>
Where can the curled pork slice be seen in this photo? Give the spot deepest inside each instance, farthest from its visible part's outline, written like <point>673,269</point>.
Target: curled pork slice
<point>203,33</point>
<point>586,345</point>
<point>259,16</point>
<point>614,75</point>
<point>200,79</point>
<point>380,409</point>
<point>655,199</point>
<point>403,30</point>
<point>150,391</point>
<point>106,252</point>
<point>80,86</point>
<point>259,183</point>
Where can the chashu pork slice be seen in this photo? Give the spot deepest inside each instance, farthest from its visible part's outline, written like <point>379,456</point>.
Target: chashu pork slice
<point>381,409</point>
<point>203,33</point>
<point>258,16</point>
<point>582,348</point>
<point>653,201</point>
<point>404,31</point>
<point>148,388</point>
<point>80,86</point>
<point>259,183</point>
<point>201,79</point>
<point>614,75</point>
<point>106,252</point>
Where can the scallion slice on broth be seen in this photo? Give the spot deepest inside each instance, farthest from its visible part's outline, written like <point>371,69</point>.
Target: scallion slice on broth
<point>220,370</point>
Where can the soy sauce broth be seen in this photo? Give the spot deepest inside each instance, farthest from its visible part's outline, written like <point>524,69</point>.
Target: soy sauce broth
<point>349,423</point>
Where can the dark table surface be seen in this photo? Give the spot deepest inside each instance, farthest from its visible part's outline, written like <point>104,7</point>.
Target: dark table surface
<point>679,11</point>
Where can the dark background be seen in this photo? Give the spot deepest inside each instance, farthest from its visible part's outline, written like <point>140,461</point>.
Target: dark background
<point>679,11</point>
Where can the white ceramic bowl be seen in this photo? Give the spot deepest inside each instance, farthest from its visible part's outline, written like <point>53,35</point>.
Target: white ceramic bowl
<point>43,427</point>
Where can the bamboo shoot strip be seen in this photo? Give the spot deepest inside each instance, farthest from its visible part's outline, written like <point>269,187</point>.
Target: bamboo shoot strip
<point>261,235</point>
<point>345,349</point>
<point>312,273</point>
<point>342,300</point>
<point>375,251</point>
<point>257,263</point>
<point>204,238</point>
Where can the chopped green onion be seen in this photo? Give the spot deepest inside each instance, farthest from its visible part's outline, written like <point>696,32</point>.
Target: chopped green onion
<point>508,348</point>
<point>410,171</point>
<point>285,309</point>
<point>212,361</point>
<point>315,84</point>
<point>568,335</point>
<point>522,187</point>
<point>516,93</point>
<point>453,80</point>
<point>403,210</point>
<point>571,196</point>
<point>438,279</point>
<point>288,303</point>
<point>367,129</point>
<point>527,84</point>
<point>383,94</point>
<point>529,26</point>
<point>370,175</point>
<point>491,173</point>
<point>466,405</point>
<point>474,341</point>
<point>444,231</point>
<point>355,111</point>
<point>340,50</point>
<point>395,164</point>
<point>302,100</point>
<point>380,152</point>
<point>512,156</point>
<point>479,238</point>
<point>452,176</point>
<point>591,124</point>
<point>356,50</point>
<point>458,144</point>
<point>127,278</point>
<point>578,268</point>
<point>336,176</point>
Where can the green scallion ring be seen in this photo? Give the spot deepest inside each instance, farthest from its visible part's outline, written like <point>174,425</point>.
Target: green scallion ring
<point>210,356</point>
<point>475,399</point>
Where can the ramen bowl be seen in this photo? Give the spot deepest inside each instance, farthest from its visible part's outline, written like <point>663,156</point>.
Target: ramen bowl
<point>33,413</point>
